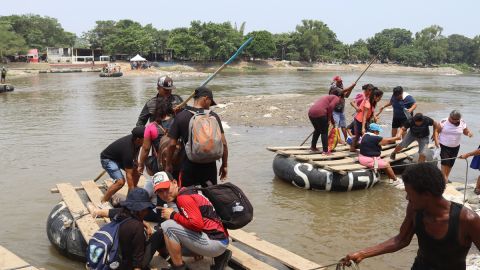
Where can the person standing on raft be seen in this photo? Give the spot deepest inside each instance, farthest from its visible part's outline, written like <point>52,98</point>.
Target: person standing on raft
<point>320,114</point>
<point>445,230</point>
<point>336,88</point>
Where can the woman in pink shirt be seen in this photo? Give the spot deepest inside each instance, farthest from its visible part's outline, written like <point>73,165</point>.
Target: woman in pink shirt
<point>364,116</point>
<point>320,114</point>
<point>451,131</point>
<point>154,131</point>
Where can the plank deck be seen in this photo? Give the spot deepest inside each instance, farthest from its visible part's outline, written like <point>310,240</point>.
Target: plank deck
<point>288,258</point>
<point>85,222</point>
<point>94,193</point>
<point>10,261</point>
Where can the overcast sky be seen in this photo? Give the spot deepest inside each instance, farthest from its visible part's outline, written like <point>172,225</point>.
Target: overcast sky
<point>349,19</point>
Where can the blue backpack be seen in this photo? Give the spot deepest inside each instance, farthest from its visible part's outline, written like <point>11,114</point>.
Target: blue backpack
<point>103,251</point>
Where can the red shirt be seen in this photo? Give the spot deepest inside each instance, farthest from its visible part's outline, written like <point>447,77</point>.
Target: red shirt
<point>323,106</point>
<point>197,214</point>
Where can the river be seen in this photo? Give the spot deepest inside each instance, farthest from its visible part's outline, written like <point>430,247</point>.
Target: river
<point>53,127</point>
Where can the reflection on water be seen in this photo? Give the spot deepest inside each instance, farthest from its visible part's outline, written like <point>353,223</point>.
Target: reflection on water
<point>54,126</point>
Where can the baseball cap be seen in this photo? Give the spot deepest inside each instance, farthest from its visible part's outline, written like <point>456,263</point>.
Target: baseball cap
<point>375,127</point>
<point>166,83</point>
<point>204,92</point>
<point>337,78</point>
<point>161,180</point>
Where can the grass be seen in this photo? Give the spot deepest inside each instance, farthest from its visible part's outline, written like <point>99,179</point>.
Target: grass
<point>463,67</point>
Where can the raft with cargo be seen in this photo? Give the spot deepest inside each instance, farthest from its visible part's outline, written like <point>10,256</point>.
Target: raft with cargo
<point>70,226</point>
<point>6,88</point>
<point>114,74</point>
<point>339,171</point>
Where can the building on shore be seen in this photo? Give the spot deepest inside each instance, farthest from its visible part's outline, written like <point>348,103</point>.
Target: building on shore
<point>75,55</point>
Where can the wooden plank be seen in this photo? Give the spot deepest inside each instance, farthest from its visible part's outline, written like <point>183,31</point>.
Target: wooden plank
<point>308,152</point>
<point>9,260</point>
<point>334,155</point>
<point>94,193</point>
<point>55,190</point>
<point>342,161</point>
<point>85,222</point>
<point>276,148</point>
<point>246,260</point>
<point>290,259</point>
<point>347,167</point>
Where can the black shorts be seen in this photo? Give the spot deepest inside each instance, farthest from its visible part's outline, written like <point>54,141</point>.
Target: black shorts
<point>197,173</point>
<point>398,122</point>
<point>448,152</point>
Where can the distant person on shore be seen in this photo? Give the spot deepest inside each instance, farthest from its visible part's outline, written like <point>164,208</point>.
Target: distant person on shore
<point>204,142</point>
<point>474,164</point>
<point>403,106</point>
<point>122,155</point>
<point>418,130</point>
<point>4,74</point>
<point>445,230</point>
<point>449,136</point>
<point>336,88</point>
<point>164,87</point>
<point>371,149</point>
<point>320,114</point>
<point>364,116</point>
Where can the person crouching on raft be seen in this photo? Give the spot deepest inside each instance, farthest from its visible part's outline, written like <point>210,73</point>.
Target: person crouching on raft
<point>320,114</point>
<point>364,116</point>
<point>371,148</point>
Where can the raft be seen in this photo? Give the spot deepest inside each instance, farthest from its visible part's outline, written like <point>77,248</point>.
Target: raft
<point>114,74</point>
<point>6,88</point>
<point>70,226</point>
<point>339,171</point>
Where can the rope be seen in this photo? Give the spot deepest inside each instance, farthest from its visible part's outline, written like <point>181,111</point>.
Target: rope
<point>339,266</point>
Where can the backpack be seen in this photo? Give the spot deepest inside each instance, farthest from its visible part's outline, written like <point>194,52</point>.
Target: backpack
<point>103,251</point>
<point>204,143</point>
<point>230,203</point>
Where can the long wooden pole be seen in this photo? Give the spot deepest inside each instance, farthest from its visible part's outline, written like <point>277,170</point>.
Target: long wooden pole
<point>99,176</point>
<point>240,49</point>
<point>365,70</point>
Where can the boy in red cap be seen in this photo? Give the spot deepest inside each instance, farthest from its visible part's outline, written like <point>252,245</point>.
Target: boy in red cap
<point>336,88</point>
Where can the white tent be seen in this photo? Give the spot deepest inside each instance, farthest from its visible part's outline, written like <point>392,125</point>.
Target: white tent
<point>138,58</point>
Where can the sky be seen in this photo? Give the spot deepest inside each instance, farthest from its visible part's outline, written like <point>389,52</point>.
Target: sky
<point>349,19</point>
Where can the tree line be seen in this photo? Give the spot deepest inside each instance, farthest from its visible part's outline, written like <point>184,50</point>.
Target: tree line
<point>311,41</point>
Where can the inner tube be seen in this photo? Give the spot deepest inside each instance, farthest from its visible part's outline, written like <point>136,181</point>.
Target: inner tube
<point>115,74</point>
<point>307,176</point>
<point>6,88</point>
<point>64,235</point>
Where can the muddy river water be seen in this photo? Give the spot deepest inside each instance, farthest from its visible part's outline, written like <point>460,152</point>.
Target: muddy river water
<point>54,126</point>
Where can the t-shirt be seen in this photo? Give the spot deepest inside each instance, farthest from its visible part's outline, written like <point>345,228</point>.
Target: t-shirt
<point>122,151</point>
<point>370,145</point>
<point>323,106</point>
<point>451,134</point>
<point>337,91</point>
<point>364,105</point>
<point>406,102</point>
<point>419,131</point>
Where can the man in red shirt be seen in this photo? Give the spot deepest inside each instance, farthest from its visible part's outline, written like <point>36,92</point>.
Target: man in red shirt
<point>195,228</point>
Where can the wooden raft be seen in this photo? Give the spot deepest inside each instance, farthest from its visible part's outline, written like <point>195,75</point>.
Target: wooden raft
<point>10,261</point>
<point>341,160</point>
<point>88,226</point>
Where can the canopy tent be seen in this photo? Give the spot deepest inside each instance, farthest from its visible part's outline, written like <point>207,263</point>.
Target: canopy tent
<point>137,58</point>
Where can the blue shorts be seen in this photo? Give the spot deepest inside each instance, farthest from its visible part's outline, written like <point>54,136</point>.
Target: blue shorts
<point>339,118</point>
<point>112,169</point>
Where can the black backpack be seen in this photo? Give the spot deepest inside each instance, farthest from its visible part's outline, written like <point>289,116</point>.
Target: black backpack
<point>230,203</point>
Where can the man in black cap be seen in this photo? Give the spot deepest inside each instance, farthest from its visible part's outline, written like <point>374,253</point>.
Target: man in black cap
<point>122,154</point>
<point>194,172</point>
<point>164,87</point>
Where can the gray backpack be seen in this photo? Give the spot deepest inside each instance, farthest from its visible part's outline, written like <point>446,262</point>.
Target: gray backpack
<point>204,143</point>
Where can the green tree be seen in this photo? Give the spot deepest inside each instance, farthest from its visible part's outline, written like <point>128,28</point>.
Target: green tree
<point>11,42</point>
<point>433,44</point>
<point>476,51</point>
<point>358,51</point>
<point>314,40</point>
<point>460,49</point>
<point>40,32</point>
<point>98,36</point>
<point>409,55</point>
<point>221,38</point>
<point>263,44</point>
<point>384,42</point>
<point>187,46</point>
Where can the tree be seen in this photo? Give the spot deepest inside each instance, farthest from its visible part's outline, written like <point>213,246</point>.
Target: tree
<point>409,55</point>
<point>384,42</point>
<point>221,38</point>
<point>40,32</point>
<point>11,42</point>
<point>187,46</point>
<point>98,36</point>
<point>262,46</point>
<point>359,51</point>
<point>434,45</point>
<point>314,39</point>
<point>476,51</point>
<point>460,49</point>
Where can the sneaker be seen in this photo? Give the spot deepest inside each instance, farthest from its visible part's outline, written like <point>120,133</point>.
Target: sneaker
<point>104,205</point>
<point>393,155</point>
<point>395,182</point>
<point>221,261</point>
